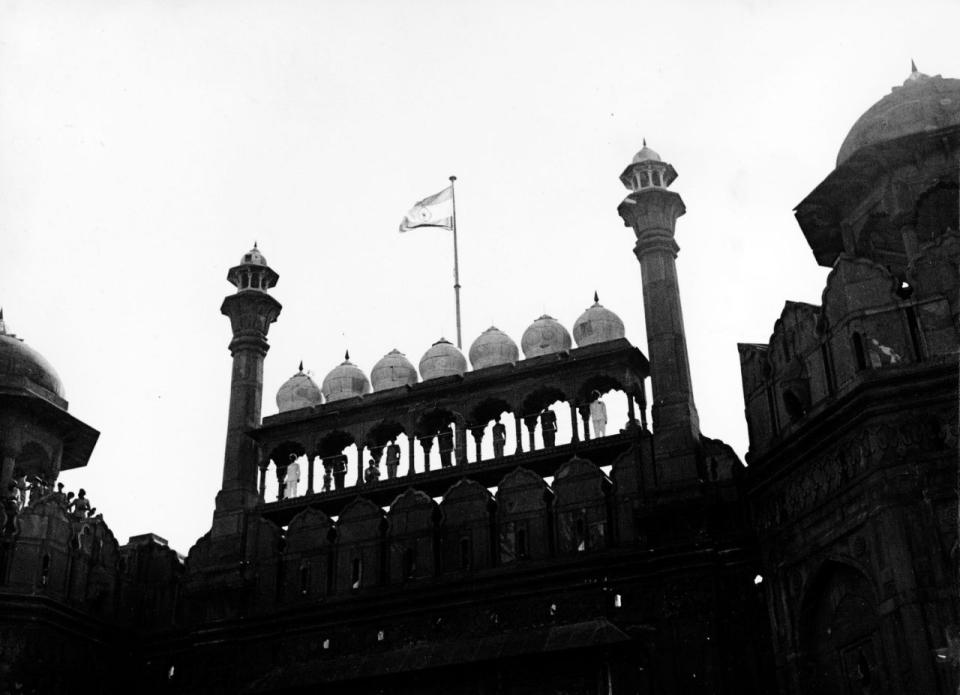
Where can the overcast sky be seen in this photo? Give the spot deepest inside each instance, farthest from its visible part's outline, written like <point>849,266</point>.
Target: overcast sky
<point>144,147</point>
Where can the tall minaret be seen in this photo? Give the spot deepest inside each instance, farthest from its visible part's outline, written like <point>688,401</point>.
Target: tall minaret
<point>652,211</point>
<point>251,311</point>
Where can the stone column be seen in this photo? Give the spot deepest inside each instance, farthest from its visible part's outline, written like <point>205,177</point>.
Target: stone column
<point>360,449</point>
<point>310,460</point>
<point>652,213</point>
<point>585,416</point>
<point>459,444</point>
<point>281,477</point>
<point>478,433</point>
<point>427,444</point>
<point>251,313</point>
<point>518,419</point>
<point>411,453</point>
<point>263,480</point>
<point>531,422</point>
<point>574,425</point>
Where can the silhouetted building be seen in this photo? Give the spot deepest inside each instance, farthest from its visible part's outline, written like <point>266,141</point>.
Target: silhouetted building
<point>646,560</point>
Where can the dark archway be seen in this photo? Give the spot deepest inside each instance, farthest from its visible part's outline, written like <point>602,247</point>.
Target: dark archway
<point>840,636</point>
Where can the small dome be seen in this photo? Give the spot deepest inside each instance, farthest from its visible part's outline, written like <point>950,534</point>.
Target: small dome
<point>346,380</point>
<point>442,359</point>
<point>393,370</point>
<point>597,325</point>
<point>253,257</point>
<point>646,155</point>
<point>18,360</point>
<point>493,347</point>
<point>545,335</point>
<point>921,105</point>
<point>299,391</point>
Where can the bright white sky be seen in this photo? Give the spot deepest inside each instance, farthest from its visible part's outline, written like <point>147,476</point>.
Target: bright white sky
<point>144,146</point>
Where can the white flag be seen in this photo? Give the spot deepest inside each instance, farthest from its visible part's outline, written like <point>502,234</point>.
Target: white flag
<point>434,211</point>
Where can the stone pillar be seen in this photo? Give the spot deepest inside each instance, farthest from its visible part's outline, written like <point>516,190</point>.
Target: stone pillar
<point>310,460</point>
<point>631,413</point>
<point>281,479</point>
<point>411,453</point>
<point>360,449</point>
<point>263,480</point>
<point>585,416</point>
<point>531,422</point>
<point>251,312</point>
<point>574,425</point>
<point>652,213</point>
<point>427,443</point>
<point>460,444</point>
<point>517,419</point>
<point>478,433</point>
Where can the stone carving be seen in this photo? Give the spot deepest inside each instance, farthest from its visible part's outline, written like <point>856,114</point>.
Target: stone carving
<point>811,484</point>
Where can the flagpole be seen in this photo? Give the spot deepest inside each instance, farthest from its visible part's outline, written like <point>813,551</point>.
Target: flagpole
<point>456,262</point>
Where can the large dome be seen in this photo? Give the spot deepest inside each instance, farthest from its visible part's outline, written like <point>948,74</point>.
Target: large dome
<point>299,391</point>
<point>346,380</point>
<point>493,347</point>
<point>393,370</point>
<point>19,361</point>
<point>597,325</point>
<point>922,104</point>
<point>544,336</point>
<point>442,359</point>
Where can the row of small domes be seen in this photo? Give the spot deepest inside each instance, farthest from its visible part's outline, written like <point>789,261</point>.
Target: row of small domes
<point>493,347</point>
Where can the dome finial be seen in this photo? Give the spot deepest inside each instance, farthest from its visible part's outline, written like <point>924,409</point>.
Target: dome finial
<point>301,365</point>
<point>644,142</point>
<point>254,244</point>
<point>346,356</point>
<point>913,66</point>
<point>596,297</point>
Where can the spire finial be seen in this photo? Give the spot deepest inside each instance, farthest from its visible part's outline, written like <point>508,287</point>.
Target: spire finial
<point>301,365</point>
<point>913,66</point>
<point>596,297</point>
<point>346,355</point>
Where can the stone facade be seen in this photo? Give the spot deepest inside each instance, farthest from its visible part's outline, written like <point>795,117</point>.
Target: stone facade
<point>642,561</point>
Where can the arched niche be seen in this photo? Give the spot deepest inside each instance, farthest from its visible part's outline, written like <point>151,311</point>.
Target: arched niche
<point>264,545</point>
<point>40,554</point>
<point>383,433</point>
<point>489,409</point>
<point>306,556</point>
<point>841,649</point>
<point>359,534</point>
<point>542,397</point>
<point>523,526</point>
<point>580,507</point>
<point>411,532</point>
<point>465,527</point>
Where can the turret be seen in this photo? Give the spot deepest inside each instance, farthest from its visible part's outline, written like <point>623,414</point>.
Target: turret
<point>652,211</point>
<point>251,311</point>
